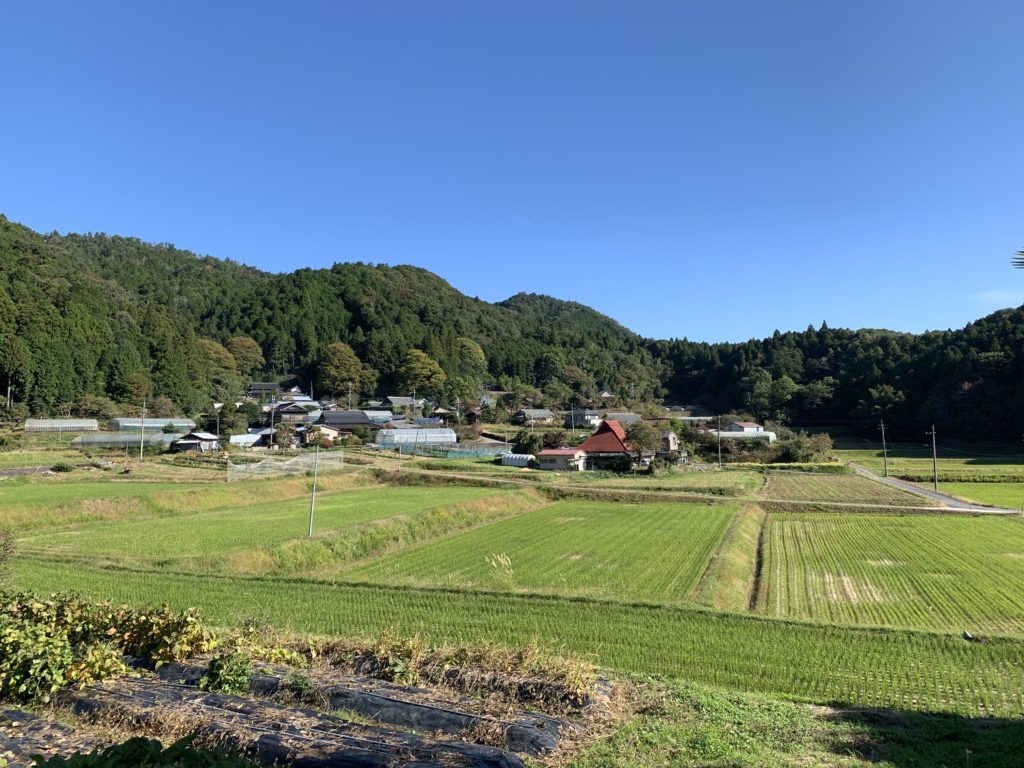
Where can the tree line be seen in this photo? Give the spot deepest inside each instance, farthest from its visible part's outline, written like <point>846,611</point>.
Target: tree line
<point>113,319</point>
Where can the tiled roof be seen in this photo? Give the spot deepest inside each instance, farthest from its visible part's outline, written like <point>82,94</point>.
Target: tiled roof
<point>610,437</point>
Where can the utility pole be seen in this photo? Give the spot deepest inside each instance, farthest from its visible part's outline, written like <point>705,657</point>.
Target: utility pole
<point>312,496</point>
<point>142,429</point>
<point>350,395</point>
<point>885,455</point>
<point>719,432</point>
<point>935,460</point>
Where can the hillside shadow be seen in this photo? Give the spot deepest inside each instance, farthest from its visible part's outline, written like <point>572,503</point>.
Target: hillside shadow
<point>914,739</point>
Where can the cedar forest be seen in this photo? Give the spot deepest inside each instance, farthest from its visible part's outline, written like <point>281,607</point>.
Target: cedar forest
<point>85,318</point>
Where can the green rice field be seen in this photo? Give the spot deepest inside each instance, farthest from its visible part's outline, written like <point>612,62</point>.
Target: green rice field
<point>1006,495</point>
<point>938,572</point>
<point>651,552</point>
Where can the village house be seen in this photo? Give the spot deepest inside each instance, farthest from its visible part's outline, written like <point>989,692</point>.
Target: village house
<point>343,422</point>
<point>532,416</point>
<point>607,447</point>
<point>262,390</point>
<point>196,442</point>
<point>562,459</point>
<point>291,413</point>
<point>406,403</point>
<point>582,418</point>
<point>748,427</point>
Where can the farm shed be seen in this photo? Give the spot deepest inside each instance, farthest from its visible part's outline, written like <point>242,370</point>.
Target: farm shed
<point>391,438</point>
<point>104,441</point>
<point>517,459</point>
<point>61,425</point>
<point>196,442</point>
<point>562,459</point>
<point>244,441</point>
<point>152,425</point>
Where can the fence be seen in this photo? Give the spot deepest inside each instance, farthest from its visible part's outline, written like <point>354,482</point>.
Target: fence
<point>296,465</point>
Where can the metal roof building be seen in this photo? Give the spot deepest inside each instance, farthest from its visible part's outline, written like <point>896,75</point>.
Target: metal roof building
<point>156,425</point>
<point>61,425</point>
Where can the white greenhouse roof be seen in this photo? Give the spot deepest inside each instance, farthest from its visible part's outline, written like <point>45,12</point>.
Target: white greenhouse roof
<point>416,437</point>
<point>61,425</point>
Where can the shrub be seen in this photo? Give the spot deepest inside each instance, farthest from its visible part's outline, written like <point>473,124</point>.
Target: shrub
<point>61,466</point>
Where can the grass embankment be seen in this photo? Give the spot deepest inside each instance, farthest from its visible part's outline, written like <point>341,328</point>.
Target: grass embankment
<point>879,668</point>
<point>652,553</point>
<point>731,574</point>
<point>934,572</point>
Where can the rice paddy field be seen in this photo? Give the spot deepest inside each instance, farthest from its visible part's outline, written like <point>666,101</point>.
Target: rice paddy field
<point>809,486</point>
<point>862,608</point>
<point>940,572</point>
<point>653,553</point>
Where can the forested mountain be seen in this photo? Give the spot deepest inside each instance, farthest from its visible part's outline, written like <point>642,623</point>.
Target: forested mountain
<point>107,316</point>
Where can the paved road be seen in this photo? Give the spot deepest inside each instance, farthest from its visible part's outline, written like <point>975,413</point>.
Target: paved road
<point>944,498</point>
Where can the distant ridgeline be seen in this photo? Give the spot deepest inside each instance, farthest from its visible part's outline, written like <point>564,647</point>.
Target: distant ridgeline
<point>115,317</point>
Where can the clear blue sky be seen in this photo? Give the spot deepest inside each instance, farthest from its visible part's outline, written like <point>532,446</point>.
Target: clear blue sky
<point>714,170</point>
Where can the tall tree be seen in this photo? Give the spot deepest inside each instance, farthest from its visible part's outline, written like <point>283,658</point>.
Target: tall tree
<point>421,373</point>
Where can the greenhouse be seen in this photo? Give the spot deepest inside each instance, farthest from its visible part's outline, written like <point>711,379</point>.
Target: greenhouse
<point>61,425</point>
<point>390,438</point>
<point>110,440</point>
<point>156,425</point>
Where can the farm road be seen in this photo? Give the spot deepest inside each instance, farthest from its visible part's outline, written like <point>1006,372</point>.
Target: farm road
<point>946,499</point>
<point>952,505</point>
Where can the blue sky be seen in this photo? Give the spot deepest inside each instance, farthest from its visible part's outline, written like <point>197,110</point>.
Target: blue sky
<point>714,170</point>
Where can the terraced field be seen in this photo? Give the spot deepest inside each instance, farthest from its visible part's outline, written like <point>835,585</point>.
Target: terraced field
<point>807,486</point>
<point>938,572</point>
<point>650,552</point>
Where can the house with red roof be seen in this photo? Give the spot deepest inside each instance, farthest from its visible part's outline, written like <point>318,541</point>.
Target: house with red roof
<point>607,447</point>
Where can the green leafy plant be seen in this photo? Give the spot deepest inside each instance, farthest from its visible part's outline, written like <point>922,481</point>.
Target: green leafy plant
<point>227,673</point>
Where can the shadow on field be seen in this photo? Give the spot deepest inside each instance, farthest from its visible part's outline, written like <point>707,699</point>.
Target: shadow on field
<point>905,739</point>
